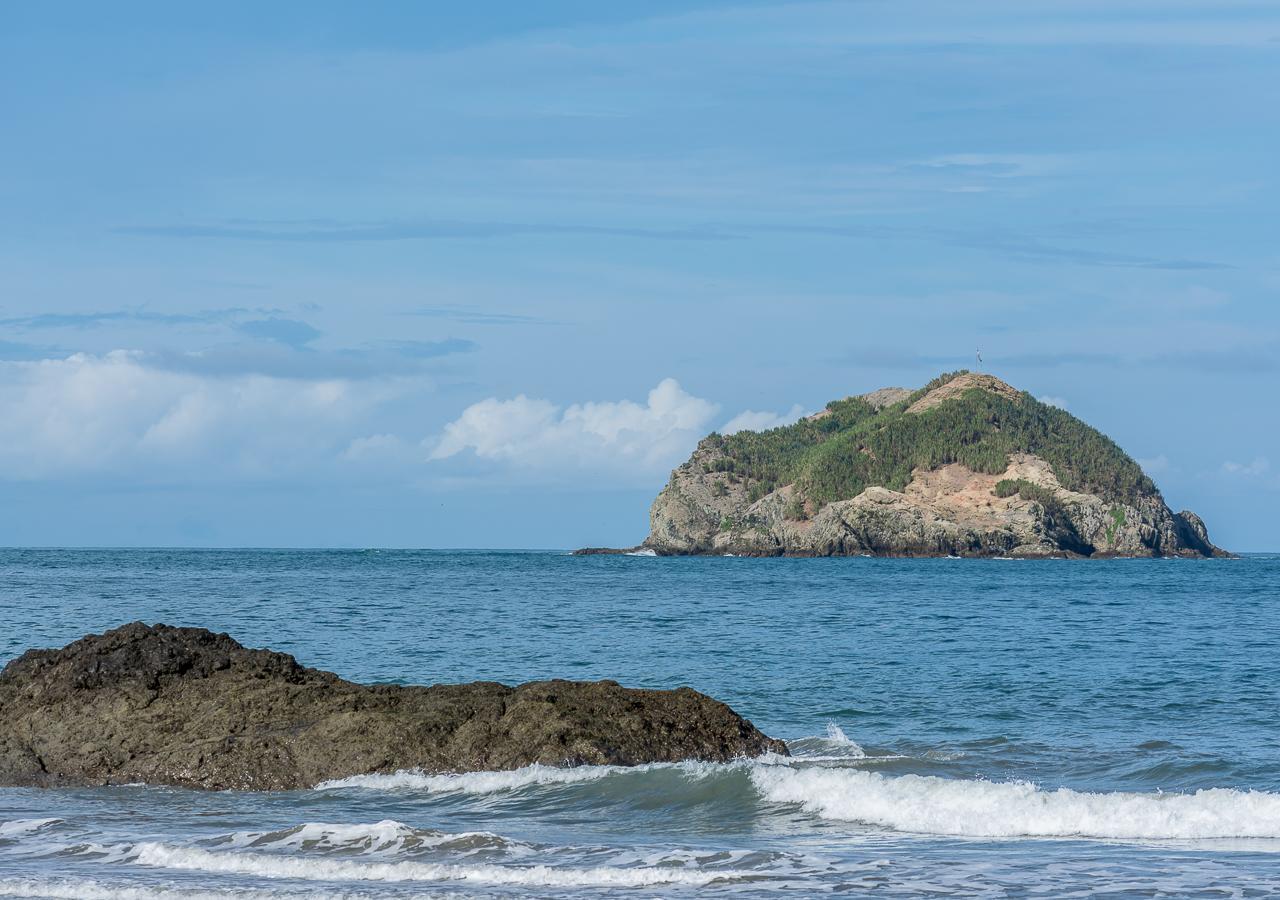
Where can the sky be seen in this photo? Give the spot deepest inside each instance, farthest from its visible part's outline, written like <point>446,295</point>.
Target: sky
<point>478,275</point>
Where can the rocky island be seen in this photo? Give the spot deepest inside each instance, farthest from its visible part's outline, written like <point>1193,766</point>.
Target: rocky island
<point>188,707</point>
<point>965,466</point>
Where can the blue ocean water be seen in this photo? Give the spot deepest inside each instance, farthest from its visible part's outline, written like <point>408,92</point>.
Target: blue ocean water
<point>960,728</point>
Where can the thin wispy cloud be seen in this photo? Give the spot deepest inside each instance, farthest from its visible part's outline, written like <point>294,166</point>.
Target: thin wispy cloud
<point>416,231</point>
<point>427,349</point>
<point>285,331</point>
<point>1021,247</point>
<point>18,351</point>
<point>107,317</point>
<point>1239,360</point>
<point>1029,249</point>
<point>1052,359</point>
<point>1257,467</point>
<point>1156,465</point>
<point>888,357</point>
<point>1016,246</point>
<point>468,316</point>
<point>274,359</point>
<point>752,420</point>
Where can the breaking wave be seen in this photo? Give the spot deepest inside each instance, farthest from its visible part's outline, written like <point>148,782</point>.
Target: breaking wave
<point>91,889</point>
<point>833,781</point>
<point>475,782</point>
<point>310,868</point>
<point>926,804</point>
<point>387,837</point>
<point>527,777</point>
<point>19,827</point>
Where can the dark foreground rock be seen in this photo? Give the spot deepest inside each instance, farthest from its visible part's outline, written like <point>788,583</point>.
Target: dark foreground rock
<point>185,706</point>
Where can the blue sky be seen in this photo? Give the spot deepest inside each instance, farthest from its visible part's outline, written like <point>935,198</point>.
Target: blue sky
<point>479,274</point>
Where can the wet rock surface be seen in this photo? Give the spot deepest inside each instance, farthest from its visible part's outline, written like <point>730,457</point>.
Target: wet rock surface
<point>188,707</point>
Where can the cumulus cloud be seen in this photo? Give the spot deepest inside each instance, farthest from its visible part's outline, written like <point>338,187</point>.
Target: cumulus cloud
<point>535,433</point>
<point>116,414</point>
<point>1049,400</point>
<point>750,420</point>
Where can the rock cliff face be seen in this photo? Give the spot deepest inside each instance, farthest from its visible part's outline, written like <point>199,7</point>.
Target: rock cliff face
<point>966,467</point>
<point>185,706</point>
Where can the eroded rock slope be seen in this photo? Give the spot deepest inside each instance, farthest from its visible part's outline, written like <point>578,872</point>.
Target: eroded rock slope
<point>968,466</point>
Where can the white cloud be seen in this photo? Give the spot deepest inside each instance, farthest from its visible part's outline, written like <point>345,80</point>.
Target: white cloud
<point>377,448</point>
<point>750,420</point>
<point>1260,466</point>
<point>1155,465</point>
<point>1060,402</point>
<point>535,433</point>
<point>114,413</point>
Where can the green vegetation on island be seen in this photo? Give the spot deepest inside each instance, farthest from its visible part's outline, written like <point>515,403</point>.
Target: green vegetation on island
<point>854,445</point>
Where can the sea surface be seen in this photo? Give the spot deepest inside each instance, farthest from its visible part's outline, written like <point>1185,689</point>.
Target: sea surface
<point>960,728</point>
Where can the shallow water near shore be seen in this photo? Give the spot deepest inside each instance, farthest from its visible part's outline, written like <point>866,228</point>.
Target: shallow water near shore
<point>959,727</point>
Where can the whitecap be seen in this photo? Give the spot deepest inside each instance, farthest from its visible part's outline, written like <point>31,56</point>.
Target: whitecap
<point>927,804</point>
<point>89,889</point>
<point>536,775</point>
<point>387,837</point>
<point>17,827</point>
<point>475,782</point>
<point>836,735</point>
<point>269,865</point>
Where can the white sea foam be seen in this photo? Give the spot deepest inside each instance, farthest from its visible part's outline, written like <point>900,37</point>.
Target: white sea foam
<point>645,552</point>
<point>387,837</point>
<point>909,803</point>
<point>89,889</point>
<point>475,782</point>
<point>836,735</point>
<point>833,746</point>
<point>529,776</point>
<point>269,865</point>
<point>17,827</point>
<point>929,805</point>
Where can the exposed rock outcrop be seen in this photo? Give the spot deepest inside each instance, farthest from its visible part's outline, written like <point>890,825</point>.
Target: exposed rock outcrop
<point>719,503</point>
<point>185,706</point>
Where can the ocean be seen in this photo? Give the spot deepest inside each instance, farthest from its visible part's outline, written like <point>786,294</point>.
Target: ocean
<point>959,728</point>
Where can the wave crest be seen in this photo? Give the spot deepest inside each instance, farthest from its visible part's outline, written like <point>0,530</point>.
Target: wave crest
<point>269,865</point>
<point>18,827</point>
<point>926,804</point>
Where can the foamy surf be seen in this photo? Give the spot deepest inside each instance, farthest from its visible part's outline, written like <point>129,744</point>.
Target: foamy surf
<point>832,746</point>
<point>20,827</point>
<point>91,889</point>
<point>269,865</point>
<point>387,838</point>
<point>475,782</point>
<point>536,775</point>
<point>929,805</point>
